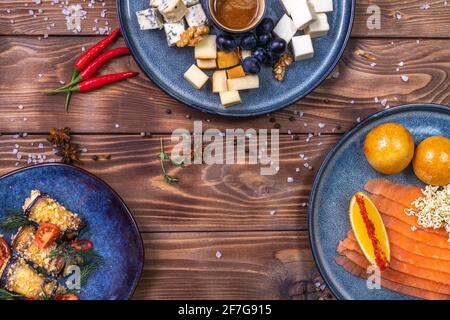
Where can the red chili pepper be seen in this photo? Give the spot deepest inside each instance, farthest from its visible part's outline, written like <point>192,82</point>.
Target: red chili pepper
<point>82,245</point>
<point>99,82</point>
<point>96,83</point>
<point>86,58</point>
<point>95,65</point>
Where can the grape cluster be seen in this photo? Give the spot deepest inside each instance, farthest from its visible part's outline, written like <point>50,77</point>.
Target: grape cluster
<point>265,48</point>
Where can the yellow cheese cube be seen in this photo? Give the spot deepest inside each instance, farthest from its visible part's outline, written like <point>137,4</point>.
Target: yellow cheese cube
<point>206,48</point>
<point>244,83</point>
<point>206,63</point>
<point>230,98</point>
<point>196,77</point>
<point>219,81</point>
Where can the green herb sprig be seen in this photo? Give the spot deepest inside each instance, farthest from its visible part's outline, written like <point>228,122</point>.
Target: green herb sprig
<point>163,156</point>
<point>88,261</point>
<point>8,295</point>
<point>13,220</point>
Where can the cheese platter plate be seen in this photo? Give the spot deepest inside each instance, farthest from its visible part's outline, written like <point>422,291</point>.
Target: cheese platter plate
<point>237,58</point>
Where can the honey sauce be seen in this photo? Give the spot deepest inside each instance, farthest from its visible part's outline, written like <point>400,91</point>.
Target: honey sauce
<point>236,14</point>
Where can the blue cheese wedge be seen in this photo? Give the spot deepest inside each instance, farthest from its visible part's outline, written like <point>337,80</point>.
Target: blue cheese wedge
<point>196,16</point>
<point>190,3</point>
<point>149,19</point>
<point>172,10</point>
<point>173,32</point>
<point>302,47</point>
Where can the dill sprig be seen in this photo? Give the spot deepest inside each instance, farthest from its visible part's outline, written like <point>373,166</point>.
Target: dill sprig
<point>88,261</point>
<point>8,295</point>
<point>14,220</point>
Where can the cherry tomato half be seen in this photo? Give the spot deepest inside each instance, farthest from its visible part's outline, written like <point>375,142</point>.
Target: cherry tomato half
<point>5,251</point>
<point>68,296</point>
<point>82,245</point>
<point>47,234</point>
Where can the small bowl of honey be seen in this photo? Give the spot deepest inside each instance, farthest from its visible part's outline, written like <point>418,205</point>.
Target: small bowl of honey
<point>237,16</point>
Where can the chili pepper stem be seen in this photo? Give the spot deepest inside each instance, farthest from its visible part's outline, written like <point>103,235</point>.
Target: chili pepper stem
<point>75,74</point>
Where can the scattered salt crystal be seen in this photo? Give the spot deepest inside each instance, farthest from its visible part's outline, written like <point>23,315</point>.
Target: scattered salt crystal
<point>218,254</point>
<point>290,179</point>
<point>272,212</point>
<point>405,78</point>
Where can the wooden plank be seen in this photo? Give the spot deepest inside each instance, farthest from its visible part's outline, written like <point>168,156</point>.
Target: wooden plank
<point>138,105</point>
<point>256,265</point>
<point>207,198</point>
<point>415,21</point>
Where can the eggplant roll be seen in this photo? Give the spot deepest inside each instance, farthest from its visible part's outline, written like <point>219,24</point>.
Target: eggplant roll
<point>24,243</point>
<point>21,278</point>
<point>41,208</point>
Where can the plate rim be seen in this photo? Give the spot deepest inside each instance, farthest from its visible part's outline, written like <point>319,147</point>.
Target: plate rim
<point>318,176</point>
<point>184,101</point>
<point>134,224</point>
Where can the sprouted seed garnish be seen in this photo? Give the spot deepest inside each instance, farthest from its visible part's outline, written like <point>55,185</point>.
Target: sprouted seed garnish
<point>433,209</point>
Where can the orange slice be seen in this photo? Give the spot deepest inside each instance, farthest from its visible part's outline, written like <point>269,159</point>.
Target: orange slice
<point>369,230</point>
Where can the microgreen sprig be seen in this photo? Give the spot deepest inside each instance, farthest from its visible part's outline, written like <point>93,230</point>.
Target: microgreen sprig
<point>163,156</point>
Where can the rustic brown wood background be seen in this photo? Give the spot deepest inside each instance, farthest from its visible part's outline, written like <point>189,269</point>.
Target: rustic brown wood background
<point>213,209</point>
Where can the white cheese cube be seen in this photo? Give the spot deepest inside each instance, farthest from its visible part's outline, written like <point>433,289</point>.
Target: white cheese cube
<point>321,6</point>
<point>154,3</point>
<point>285,28</point>
<point>289,5</point>
<point>173,32</point>
<point>302,15</point>
<point>230,98</point>
<point>206,48</point>
<point>245,54</point>
<point>244,83</point>
<point>196,77</point>
<point>196,16</point>
<point>302,47</point>
<point>172,10</point>
<point>319,27</point>
<point>149,19</point>
<point>189,3</point>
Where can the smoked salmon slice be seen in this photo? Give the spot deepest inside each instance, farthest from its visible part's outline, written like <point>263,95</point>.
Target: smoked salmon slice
<point>399,277</point>
<point>404,289</point>
<point>413,270</point>
<point>393,209</point>
<point>401,194</point>
<point>411,258</point>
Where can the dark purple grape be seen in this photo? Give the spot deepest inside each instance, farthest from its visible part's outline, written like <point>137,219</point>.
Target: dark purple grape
<point>226,42</point>
<point>271,58</point>
<point>251,65</point>
<point>260,54</point>
<point>265,26</point>
<point>277,46</point>
<point>264,39</point>
<point>248,42</point>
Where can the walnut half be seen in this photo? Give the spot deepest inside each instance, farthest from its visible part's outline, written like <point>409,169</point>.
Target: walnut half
<point>192,35</point>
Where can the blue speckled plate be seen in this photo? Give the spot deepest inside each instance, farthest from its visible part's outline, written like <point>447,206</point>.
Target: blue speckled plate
<point>342,174</point>
<point>111,226</point>
<point>166,66</point>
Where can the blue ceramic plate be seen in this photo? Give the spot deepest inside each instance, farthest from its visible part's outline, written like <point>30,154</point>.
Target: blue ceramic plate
<point>111,226</point>
<point>342,174</point>
<point>166,66</point>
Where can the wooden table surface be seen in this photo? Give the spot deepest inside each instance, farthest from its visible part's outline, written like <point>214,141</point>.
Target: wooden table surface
<point>213,209</point>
